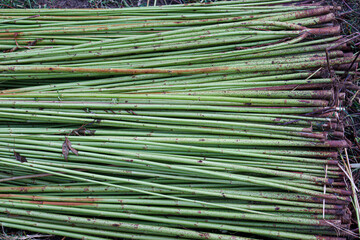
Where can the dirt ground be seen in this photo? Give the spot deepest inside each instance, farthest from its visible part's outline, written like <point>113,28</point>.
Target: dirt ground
<point>65,4</point>
<point>349,18</point>
<point>84,3</point>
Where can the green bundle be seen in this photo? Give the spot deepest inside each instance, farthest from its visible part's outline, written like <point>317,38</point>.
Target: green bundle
<point>200,121</point>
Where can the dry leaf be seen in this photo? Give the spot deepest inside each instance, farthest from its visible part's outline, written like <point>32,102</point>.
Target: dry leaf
<point>65,150</point>
<point>68,143</point>
<point>19,157</point>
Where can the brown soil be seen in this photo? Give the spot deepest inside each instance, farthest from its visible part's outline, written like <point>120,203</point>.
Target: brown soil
<point>64,4</point>
<point>85,3</point>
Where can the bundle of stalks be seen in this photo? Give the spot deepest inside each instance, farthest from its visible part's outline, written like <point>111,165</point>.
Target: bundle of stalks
<point>201,121</point>
<point>47,46</point>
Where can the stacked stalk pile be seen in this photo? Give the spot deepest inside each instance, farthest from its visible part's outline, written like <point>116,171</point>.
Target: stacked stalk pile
<point>215,121</point>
